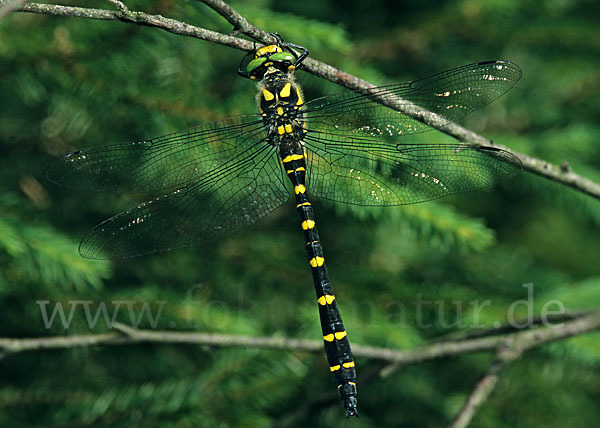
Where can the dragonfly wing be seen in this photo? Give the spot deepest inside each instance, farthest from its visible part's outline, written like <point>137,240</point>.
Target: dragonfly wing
<point>380,111</point>
<point>343,170</point>
<point>162,163</point>
<point>220,203</point>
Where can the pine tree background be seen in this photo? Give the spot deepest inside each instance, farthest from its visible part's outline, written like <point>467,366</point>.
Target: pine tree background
<point>70,83</point>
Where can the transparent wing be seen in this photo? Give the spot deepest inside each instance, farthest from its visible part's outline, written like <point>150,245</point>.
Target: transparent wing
<point>221,202</point>
<point>343,170</point>
<point>352,139</point>
<point>449,95</point>
<point>162,163</point>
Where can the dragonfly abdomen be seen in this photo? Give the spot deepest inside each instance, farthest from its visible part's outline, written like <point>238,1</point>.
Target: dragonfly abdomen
<point>335,337</point>
<point>280,102</point>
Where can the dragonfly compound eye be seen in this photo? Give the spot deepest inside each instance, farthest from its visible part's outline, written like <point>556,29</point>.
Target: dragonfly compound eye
<point>283,61</point>
<point>255,64</point>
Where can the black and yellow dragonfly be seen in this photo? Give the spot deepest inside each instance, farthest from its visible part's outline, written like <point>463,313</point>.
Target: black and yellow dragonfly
<point>220,177</point>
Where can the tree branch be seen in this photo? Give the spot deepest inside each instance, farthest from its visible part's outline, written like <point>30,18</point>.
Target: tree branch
<point>502,329</point>
<point>562,175</point>
<point>140,18</point>
<point>523,341</point>
<point>484,387</point>
<point>238,21</point>
<point>509,349</point>
<point>6,8</point>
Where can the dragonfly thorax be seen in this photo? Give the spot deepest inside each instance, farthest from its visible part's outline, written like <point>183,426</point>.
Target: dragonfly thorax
<point>280,103</point>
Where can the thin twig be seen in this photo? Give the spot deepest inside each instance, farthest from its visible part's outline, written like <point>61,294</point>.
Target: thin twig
<point>544,169</point>
<point>140,18</point>
<point>119,5</point>
<point>238,21</point>
<point>127,335</point>
<point>488,338</point>
<point>10,6</point>
<point>501,329</point>
<point>505,355</point>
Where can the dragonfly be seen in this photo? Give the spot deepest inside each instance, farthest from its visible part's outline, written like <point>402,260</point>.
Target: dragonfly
<point>216,179</point>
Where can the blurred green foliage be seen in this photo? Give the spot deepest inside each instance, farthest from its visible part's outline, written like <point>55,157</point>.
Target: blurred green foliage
<point>70,83</point>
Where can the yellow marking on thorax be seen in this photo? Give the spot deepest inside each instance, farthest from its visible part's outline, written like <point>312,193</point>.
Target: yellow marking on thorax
<point>288,128</point>
<point>300,101</point>
<point>285,92</point>
<point>308,224</point>
<point>299,189</point>
<point>267,95</point>
<point>280,111</point>
<point>326,299</point>
<point>317,261</point>
<point>291,158</point>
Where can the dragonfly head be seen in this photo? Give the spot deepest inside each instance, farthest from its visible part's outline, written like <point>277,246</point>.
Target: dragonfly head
<point>278,56</point>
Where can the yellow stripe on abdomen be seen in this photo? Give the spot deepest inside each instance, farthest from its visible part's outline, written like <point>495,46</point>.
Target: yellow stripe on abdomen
<point>308,224</point>
<point>327,299</point>
<point>317,261</point>
<point>291,158</point>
